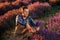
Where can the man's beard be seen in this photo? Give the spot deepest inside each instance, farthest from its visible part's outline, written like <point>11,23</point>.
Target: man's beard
<point>25,16</point>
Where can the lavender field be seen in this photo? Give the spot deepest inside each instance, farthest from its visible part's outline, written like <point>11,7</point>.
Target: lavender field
<point>46,13</point>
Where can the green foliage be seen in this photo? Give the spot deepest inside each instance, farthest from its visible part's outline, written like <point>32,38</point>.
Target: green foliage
<point>53,10</point>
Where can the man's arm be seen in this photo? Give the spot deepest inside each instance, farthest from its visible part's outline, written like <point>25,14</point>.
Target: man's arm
<point>29,28</point>
<point>16,19</point>
<point>31,21</point>
<point>34,24</point>
<point>16,25</point>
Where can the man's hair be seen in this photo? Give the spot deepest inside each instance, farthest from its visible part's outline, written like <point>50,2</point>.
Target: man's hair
<point>25,7</point>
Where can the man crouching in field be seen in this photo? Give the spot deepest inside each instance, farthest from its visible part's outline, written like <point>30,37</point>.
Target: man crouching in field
<point>25,22</point>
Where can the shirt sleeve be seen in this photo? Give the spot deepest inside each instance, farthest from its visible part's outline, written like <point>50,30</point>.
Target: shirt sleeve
<point>20,20</point>
<point>31,21</point>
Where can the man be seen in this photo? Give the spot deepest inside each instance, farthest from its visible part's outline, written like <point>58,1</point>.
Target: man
<point>23,20</point>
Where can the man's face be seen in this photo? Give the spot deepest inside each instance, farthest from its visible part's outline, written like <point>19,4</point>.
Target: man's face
<point>25,13</point>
